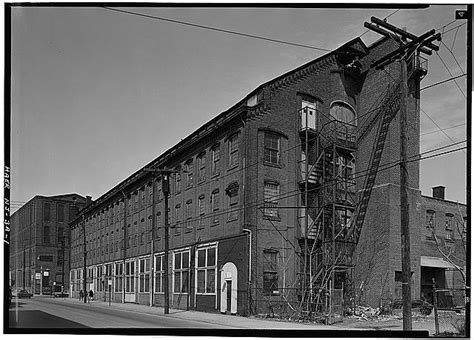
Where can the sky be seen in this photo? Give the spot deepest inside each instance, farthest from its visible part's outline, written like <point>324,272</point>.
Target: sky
<point>98,94</point>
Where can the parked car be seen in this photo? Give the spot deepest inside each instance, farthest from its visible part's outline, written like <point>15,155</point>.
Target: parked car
<point>61,294</point>
<point>23,294</point>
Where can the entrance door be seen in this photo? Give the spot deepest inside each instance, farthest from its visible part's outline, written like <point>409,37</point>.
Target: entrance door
<point>229,295</point>
<point>130,286</point>
<point>229,288</point>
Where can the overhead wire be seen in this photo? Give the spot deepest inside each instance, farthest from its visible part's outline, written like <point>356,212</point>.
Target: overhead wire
<point>217,29</point>
<point>447,69</point>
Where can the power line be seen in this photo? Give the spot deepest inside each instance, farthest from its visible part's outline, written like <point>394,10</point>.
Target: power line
<point>447,69</point>
<point>217,29</point>
<point>442,82</point>
<point>439,127</point>
<point>446,128</point>
<point>455,59</point>
<point>451,29</point>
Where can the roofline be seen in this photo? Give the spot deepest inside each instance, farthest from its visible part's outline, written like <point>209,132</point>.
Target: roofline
<point>237,109</point>
<point>444,200</point>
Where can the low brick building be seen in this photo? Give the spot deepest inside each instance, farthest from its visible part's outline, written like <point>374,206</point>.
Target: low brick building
<point>39,242</point>
<point>262,200</point>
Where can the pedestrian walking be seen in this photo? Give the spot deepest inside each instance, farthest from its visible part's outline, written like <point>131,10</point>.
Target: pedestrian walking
<point>91,295</point>
<point>81,295</point>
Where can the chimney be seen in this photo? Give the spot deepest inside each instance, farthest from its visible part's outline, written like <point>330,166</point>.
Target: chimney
<point>438,192</point>
<point>89,200</point>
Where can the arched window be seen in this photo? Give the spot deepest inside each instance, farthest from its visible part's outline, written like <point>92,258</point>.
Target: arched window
<point>343,112</point>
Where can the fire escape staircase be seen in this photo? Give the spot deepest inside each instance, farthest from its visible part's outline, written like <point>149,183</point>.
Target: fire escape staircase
<point>387,111</point>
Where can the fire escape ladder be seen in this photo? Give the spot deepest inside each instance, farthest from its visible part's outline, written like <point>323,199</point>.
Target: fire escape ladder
<point>388,110</point>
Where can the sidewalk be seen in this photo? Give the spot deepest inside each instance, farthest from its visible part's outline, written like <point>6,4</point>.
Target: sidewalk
<point>223,320</point>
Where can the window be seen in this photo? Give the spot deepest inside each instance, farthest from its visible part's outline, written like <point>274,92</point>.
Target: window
<point>189,215</point>
<point>159,272</point>
<point>215,206</point>
<point>430,219</point>
<point>46,234</point>
<point>60,212</point>
<point>177,213</point>
<point>270,273</point>
<point>233,149</point>
<point>201,210</point>
<point>449,222</point>
<point>47,211</point>
<point>345,121</point>
<point>233,199</point>
<point>188,169</point>
<point>130,277</point>
<point>144,275</point>
<point>272,148</point>
<point>178,181</point>
<point>181,272</point>
<point>118,277</point>
<point>271,192</point>
<point>61,236</point>
<point>99,282</point>
<point>135,206</point>
<point>206,270</point>
<point>215,165</point>
<point>201,168</point>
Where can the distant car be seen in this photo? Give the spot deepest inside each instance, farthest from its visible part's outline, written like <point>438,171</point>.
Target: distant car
<point>23,294</point>
<point>61,294</point>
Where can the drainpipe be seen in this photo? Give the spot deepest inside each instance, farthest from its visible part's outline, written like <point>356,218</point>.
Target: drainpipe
<point>250,266</point>
<point>124,243</point>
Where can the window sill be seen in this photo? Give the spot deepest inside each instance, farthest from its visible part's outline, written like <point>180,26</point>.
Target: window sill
<point>272,218</point>
<point>273,165</point>
<point>215,175</point>
<point>232,167</point>
<point>233,220</point>
<point>201,227</point>
<point>188,230</point>
<point>449,240</point>
<point>189,187</point>
<point>214,224</point>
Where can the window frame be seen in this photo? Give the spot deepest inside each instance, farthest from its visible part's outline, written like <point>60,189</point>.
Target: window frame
<point>269,149</point>
<point>233,151</point>
<point>215,160</point>
<point>206,269</point>
<point>201,163</point>
<point>270,273</point>
<point>271,202</point>
<point>181,271</point>
<point>158,274</point>
<point>144,271</point>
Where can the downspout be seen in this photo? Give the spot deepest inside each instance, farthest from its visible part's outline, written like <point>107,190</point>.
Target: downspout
<point>250,266</point>
<point>124,243</point>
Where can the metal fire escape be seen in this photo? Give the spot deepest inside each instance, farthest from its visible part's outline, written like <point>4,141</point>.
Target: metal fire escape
<point>331,215</point>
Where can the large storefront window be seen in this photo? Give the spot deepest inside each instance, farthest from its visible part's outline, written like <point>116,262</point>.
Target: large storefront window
<point>181,272</point>
<point>144,274</point>
<point>206,270</point>
<point>159,272</point>
<point>118,277</point>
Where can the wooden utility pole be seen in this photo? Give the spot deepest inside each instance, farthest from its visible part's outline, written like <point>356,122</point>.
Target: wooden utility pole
<point>406,50</point>
<point>165,187</point>
<point>404,212</point>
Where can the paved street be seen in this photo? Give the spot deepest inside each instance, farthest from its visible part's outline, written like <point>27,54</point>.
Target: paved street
<point>48,312</point>
<point>71,313</point>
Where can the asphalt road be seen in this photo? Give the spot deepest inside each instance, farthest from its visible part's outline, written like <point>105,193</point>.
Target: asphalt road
<point>47,312</point>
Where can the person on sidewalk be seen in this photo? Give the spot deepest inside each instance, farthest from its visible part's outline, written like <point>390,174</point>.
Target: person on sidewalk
<point>81,295</point>
<point>91,295</point>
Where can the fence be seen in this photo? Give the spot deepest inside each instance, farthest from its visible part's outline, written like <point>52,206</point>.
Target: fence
<point>449,310</point>
<point>292,303</point>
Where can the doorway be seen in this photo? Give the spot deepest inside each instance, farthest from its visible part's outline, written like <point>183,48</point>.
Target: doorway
<point>229,288</point>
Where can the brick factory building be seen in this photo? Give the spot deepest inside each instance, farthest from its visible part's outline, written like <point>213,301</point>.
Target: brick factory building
<point>39,243</point>
<point>262,202</point>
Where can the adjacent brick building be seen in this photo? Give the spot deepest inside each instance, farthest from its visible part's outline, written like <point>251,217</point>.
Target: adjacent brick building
<point>263,198</point>
<point>40,237</point>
